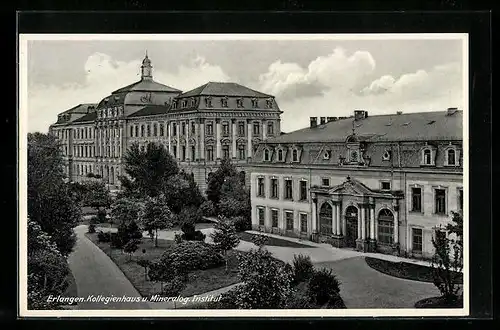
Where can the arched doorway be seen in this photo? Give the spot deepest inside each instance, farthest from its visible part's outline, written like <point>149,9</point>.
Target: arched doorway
<point>325,219</point>
<point>385,224</point>
<point>351,219</point>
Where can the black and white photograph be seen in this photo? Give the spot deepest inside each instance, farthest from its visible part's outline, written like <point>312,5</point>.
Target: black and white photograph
<point>246,175</point>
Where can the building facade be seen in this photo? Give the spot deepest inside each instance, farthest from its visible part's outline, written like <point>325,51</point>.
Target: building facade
<point>373,183</point>
<point>199,127</point>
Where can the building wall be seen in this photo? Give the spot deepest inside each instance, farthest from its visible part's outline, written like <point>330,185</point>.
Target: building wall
<point>427,220</point>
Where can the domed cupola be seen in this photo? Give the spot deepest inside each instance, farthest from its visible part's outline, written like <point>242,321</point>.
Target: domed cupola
<point>146,68</point>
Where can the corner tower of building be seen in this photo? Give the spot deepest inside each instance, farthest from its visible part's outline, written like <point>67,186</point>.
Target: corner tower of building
<point>146,68</point>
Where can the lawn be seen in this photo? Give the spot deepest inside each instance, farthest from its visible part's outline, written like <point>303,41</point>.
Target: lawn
<point>200,281</point>
<point>405,270</point>
<point>273,241</point>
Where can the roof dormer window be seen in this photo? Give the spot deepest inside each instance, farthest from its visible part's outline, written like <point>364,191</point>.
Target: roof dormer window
<point>327,154</point>
<point>223,102</point>
<point>174,104</point>
<point>387,155</point>
<point>208,101</point>
<point>255,103</point>
<point>269,103</point>
<point>428,156</point>
<point>451,156</point>
<point>184,103</point>
<point>192,102</point>
<point>239,103</point>
<point>267,155</point>
<point>296,152</point>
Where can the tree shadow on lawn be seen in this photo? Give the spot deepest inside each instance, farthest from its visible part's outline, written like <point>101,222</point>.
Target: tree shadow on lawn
<point>405,270</point>
<point>200,281</point>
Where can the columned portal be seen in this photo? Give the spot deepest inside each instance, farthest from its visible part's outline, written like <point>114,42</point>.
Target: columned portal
<point>352,226</point>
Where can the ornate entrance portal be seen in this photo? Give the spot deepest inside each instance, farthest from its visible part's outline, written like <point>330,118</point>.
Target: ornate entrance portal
<point>351,219</point>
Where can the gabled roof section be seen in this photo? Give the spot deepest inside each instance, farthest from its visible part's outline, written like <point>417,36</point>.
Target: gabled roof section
<point>223,89</point>
<point>88,117</point>
<point>150,110</point>
<point>147,86</point>
<point>421,126</point>
<point>80,108</point>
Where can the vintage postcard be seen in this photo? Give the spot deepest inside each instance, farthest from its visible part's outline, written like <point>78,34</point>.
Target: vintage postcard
<point>214,175</point>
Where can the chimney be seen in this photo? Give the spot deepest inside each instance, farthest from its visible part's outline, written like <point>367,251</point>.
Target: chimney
<point>451,111</point>
<point>330,119</point>
<point>314,122</point>
<point>322,120</point>
<point>360,114</point>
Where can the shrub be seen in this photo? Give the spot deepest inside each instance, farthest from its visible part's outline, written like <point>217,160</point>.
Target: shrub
<point>190,234</point>
<point>104,237</point>
<point>133,230</point>
<point>101,215</point>
<point>191,256</point>
<point>116,241</point>
<point>299,298</point>
<point>207,209</point>
<point>302,268</point>
<point>189,215</point>
<point>323,287</point>
<point>242,223</point>
<point>177,238</point>
<point>131,246</point>
<point>94,220</point>
<point>91,228</point>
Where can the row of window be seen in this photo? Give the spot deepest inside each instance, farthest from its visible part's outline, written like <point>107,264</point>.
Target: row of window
<point>209,152</point>
<point>159,130</point>
<point>289,219</point>
<point>451,156</point>
<point>184,103</point>
<point>78,133</point>
<point>440,200</point>
<point>281,154</point>
<point>288,189</point>
<point>110,112</point>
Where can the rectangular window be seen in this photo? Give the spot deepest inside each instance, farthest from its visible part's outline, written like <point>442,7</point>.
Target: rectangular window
<point>261,215</point>
<point>303,190</point>
<point>210,128</point>
<point>274,188</point>
<point>183,129</point>
<point>225,152</point>
<point>174,129</point>
<point>460,199</point>
<point>193,128</point>
<point>416,239</point>
<point>193,152</point>
<point>289,220</point>
<point>210,154</point>
<point>174,149</point>
<point>225,129</point>
<point>288,189</point>
<point>385,185</point>
<point>183,154</point>
<point>241,128</point>
<point>270,128</point>
<point>256,128</point>
<point>325,182</point>
<point>440,201</point>
<point>241,151</point>
<point>260,187</point>
<point>274,218</point>
<point>416,199</point>
<point>303,222</point>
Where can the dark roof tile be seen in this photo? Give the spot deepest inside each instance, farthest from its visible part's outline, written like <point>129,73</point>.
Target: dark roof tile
<point>150,110</point>
<point>223,89</point>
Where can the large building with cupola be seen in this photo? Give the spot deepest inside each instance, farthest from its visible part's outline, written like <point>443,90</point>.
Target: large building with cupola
<point>382,183</point>
<point>198,127</point>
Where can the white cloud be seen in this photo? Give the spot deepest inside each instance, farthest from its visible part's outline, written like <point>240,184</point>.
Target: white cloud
<point>103,75</point>
<point>420,91</point>
<point>337,70</point>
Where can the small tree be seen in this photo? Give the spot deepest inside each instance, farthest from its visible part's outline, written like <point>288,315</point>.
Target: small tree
<point>447,261</point>
<point>302,268</point>
<point>144,263</point>
<point>266,281</point>
<point>155,215</point>
<point>225,237</point>
<point>130,247</point>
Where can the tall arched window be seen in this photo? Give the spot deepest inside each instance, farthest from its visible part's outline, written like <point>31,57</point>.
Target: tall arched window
<point>136,131</point>
<point>427,157</point>
<point>131,131</point>
<point>266,154</point>
<point>325,219</point>
<point>142,130</point>
<point>295,155</point>
<point>155,130</point>
<point>385,227</point>
<point>161,129</point>
<point>280,155</point>
<point>451,157</point>
<point>148,128</point>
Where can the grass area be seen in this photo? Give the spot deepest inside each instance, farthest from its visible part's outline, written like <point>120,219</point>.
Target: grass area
<point>439,302</point>
<point>405,270</point>
<point>200,281</point>
<point>273,241</point>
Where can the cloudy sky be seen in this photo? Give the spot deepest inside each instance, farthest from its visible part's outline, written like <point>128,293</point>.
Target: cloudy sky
<point>308,77</point>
